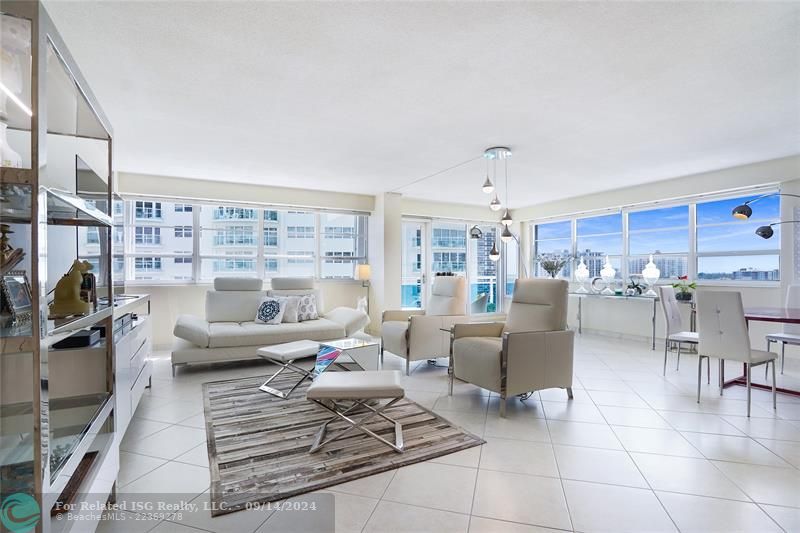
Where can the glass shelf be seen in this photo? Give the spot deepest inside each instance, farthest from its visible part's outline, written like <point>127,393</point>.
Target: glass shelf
<point>68,209</point>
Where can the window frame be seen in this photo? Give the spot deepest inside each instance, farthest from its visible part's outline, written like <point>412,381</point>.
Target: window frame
<point>692,256</point>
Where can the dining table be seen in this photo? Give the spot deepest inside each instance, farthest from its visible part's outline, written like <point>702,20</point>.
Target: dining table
<point>777,315</point>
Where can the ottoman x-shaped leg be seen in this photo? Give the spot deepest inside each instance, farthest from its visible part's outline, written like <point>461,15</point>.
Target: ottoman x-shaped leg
<point>320,441</point>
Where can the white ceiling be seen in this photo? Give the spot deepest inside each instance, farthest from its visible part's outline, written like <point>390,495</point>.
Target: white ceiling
<point>368,97</point>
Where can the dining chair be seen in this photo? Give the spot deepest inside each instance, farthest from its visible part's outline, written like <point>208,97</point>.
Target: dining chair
<point>675,334</point>
<point>791,332</point>
<point>723,333</point>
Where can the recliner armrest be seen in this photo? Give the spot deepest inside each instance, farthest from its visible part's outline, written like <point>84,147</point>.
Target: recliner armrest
<point>538,359</point>
<point>478,329</point>
<point>400,315</point>
<point>193,329</point>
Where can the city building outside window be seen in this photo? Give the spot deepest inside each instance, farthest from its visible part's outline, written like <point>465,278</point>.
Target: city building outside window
<point>203,241</point>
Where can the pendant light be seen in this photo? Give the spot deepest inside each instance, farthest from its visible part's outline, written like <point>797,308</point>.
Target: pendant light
<point>495,204</point>
<point>488,186</point>
<point>494,254</point>
<point>506,234</point>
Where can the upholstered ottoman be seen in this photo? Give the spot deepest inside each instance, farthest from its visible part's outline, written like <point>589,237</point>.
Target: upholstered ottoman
<point>359,390</point>
<point>284,355</point>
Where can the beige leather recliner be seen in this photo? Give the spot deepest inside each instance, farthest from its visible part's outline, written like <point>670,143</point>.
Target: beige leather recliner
<point>532,350</point>
<point>417,334</point>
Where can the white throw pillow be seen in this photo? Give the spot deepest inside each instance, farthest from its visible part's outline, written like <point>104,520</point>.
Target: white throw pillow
<point>291,307</point>
<point>307,308</point>
<point>270,311</point>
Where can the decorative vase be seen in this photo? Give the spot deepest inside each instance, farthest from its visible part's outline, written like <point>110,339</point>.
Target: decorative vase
<point>650,274</point>
<point>581,275</point>
<point>608,273</point>
<point>683,296</point>
<point>8,157</point>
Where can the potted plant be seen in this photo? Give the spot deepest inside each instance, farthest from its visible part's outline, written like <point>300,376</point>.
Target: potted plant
<point>552,264</point>
<point>684,288</point>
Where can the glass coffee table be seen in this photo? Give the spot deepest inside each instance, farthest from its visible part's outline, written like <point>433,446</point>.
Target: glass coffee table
<point>363,353</point>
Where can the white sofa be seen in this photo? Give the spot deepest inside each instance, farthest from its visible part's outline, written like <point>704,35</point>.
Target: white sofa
<point>229,331</point>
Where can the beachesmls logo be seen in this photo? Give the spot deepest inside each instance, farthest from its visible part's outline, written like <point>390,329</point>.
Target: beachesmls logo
<point>19,513</point>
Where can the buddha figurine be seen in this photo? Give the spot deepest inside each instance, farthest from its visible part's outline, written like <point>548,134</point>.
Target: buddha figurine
<point>67,300</point>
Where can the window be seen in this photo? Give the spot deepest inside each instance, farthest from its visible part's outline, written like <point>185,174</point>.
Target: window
<point>729,249</point>
<point>664,233</point>
<point>411,296</point>
<point>92,236</point>
<point>235,236</point>
<point>553,238</point>
<point>147,235</point>
<point>234,213</point>
<point>343,244</point>
<point>183,231</point>
<point>598,237</point>
<point>237,240</point>
<point>482,270</point>
<point>699,239</point>
<point>270,236</point>
<point>148,210</point>
<point>449,247</point>
<point>146,264</point>
<point>300,232</point>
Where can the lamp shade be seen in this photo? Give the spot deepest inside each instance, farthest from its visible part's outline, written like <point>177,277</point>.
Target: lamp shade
<point>494,253</point>
<point>765,232</point>
<point>742,212</point>
<point>363,272</point>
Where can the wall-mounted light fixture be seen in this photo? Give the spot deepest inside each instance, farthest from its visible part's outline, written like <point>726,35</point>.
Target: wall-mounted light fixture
<point>765,232</point>
<point>744,211</point>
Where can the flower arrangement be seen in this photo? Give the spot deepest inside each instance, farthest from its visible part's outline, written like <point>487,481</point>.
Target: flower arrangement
<point>552,264</point>
<point>684,288</point>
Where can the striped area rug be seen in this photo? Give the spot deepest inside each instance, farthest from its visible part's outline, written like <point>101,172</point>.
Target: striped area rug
<point>258,444</point>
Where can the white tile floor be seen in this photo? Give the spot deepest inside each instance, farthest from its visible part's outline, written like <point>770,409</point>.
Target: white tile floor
<point>632,452</point>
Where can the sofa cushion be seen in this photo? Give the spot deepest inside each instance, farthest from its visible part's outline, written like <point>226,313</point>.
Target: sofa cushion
<point>351,319</point>
<point>193,329</point>
<point>292,306</point>
<point>307,308</point>
<point>227,334</point>
<point>270,311</point>
<point>232,306</point>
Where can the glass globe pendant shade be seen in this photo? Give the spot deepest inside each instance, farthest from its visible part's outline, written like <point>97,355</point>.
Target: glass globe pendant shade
<point>650,274</point>
<point>607,274</point>
<point>506,220</point>
<point>581,276</point>
<point>495,204</point>
<point>494,254</point>
<point>488,186</point>
<point>506,234</point>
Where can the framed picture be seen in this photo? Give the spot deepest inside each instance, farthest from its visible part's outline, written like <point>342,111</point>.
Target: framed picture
<point>16,292</point>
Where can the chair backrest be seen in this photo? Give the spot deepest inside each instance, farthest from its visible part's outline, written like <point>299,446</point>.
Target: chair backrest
<point>721,326</point>
<point>538,305</point>
<point>478,305</point>
<point>448,296</point>
<point>298,286</point>
<point>672,313</point>
<point>792,301</point>
<point>234,299</point>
